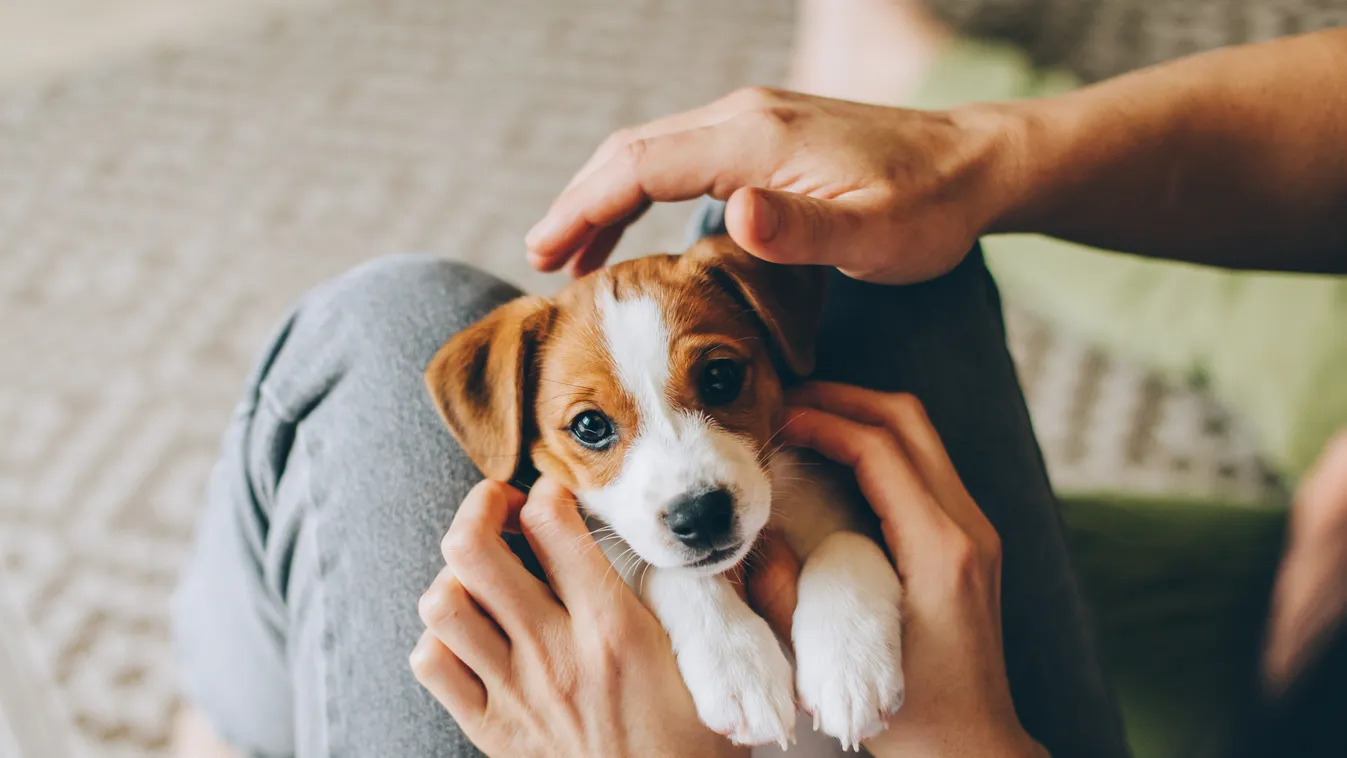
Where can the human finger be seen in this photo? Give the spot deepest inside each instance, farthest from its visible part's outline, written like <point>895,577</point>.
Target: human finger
<point>684,165</point>
<point>908,512</point>
<point>448,679</point>
<point>706,115</point>
<point>451,614</point>
<point>488,568</point>
<point>905,417</point>
<point>575,566</point>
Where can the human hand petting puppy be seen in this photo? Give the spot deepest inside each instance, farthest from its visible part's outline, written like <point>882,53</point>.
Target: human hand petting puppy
<point>809,180</point>
<point>584,669</point>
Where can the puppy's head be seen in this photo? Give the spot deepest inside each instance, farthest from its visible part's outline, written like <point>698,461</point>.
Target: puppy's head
<point>651,389</point>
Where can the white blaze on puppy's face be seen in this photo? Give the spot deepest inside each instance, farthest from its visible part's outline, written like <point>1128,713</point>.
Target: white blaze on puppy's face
<point>676,450</point>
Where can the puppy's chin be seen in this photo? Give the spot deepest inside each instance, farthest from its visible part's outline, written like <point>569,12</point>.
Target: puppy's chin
<point>720,561</point>
<point>709,564</point>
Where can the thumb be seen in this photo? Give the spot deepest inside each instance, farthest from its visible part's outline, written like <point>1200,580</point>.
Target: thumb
<point>786,227</point>
<point>561,541</point>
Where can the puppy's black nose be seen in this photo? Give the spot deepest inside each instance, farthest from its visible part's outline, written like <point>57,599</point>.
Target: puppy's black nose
<point>702,519</point>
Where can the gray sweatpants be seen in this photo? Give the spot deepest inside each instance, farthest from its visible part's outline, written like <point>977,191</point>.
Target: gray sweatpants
<point>337,479</point>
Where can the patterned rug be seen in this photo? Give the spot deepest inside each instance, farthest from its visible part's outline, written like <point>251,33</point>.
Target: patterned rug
<point>158,215</point>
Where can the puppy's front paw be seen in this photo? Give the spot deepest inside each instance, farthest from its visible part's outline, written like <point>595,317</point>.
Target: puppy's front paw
<point>848,641</point>
<point>741,682</point>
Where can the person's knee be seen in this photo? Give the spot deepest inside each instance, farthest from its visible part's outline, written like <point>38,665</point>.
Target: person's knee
<point>369,332</point>
<point>397,291</point>
<point>400,272</point>
<point>398,307</point>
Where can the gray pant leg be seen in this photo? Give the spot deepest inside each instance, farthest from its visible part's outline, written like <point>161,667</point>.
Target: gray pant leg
<point>337,479</point>
<point>944,341</point>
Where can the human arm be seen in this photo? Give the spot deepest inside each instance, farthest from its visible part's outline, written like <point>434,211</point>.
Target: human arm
<point>1235,158</point>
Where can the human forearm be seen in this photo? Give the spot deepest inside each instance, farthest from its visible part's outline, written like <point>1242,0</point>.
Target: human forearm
<point>1235,158</point>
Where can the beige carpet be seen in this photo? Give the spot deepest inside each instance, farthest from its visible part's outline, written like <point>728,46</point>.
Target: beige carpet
<point>50,37</point>
<point>157,215</point>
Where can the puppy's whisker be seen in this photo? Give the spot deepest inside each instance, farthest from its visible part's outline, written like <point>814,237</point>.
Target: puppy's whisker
<point>606,541</point>
<point>779,431</point>
<point>640,584</point>
<point>597,534</point>
<point>635,559</point>
<point>563,396</point>
<point>568,384</point>
<point>779,515</point>
<point>613,566</point>
<point>601,540</point>
<point>597,543</point>
<point>750,338</point>
<point>747,562</point>
<point>626,565</point>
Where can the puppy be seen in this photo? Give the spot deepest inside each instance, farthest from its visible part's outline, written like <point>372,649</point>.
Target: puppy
<point>652,389</point>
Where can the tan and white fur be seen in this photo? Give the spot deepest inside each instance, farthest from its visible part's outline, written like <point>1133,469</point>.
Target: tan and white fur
<point>645,357</point>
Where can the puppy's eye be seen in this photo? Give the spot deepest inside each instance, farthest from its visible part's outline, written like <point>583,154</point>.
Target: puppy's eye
<point>721,381</point>
<point>593,430</point>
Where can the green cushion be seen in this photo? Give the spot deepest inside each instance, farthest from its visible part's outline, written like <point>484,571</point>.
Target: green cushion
<point>1272,347</point>
<point>1179,590</point>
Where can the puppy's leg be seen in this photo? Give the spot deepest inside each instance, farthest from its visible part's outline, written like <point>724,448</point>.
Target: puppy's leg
<point>731,661</point>
<point>848,638</point>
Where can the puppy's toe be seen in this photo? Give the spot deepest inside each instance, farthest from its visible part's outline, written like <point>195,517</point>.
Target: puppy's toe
<point>742,685</point>
<point>850,703</point>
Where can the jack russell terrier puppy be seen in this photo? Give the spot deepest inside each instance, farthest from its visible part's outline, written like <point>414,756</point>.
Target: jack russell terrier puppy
<point>652,389</point>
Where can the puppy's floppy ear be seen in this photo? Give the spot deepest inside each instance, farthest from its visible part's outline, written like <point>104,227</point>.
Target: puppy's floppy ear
<point>788,300</point>
<point>480,382</point>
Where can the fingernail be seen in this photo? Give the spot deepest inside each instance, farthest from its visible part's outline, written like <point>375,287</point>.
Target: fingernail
<point>430,604</point>
<point>549,488</point>
<point>544,228</point>
<point>419,654</point>
<point>766,218</point>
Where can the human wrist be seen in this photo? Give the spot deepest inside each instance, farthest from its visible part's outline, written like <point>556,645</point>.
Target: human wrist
<point>994,741</point>
<point>1001,135</point>
<point>1079,165</point>
<point>1052,149</point>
